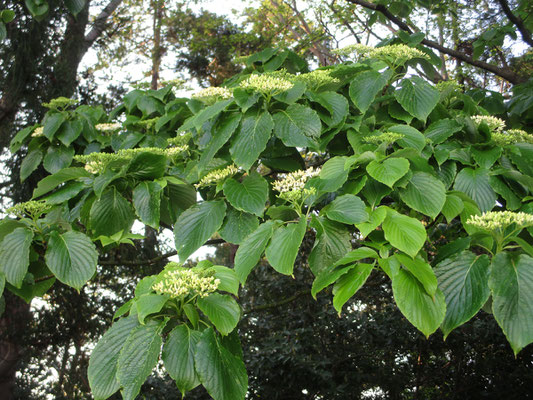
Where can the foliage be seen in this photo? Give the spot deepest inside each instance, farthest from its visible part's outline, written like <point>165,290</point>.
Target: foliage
<point>411,187</point>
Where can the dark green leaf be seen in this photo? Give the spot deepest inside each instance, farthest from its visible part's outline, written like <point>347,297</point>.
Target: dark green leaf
<point>251,139</point>
<point>57,158</point>
<point>149,303</point>
<point>366,86</point>
<point>297,126</point>
<point>15,255</point>
<point>441,130</point>
<point>237,226</point>
<point>283,248</point>
<point>475,184</point>
<point>421,270</point>
<point>147,165</point>
<point>425,194</point>
<point>417,97</point>
<point>452,207</point>
<point>222,310</point>
<point>51,124</point>
<point>53,181</point>
<point>30,163</point>
<point>147,200</point>
<point>250,195</point>
<point>111,213</point>
<point>75,6</point>
<point>348,209</point>
<point>221,134</point>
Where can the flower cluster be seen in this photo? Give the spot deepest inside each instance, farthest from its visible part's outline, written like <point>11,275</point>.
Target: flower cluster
<point>494,124</point>
<point>108,129</point>
<point>396,54</point>
<point>212,94</point>
<point>33,208</point>
<point>217,175</point>
<point>448,86</point>
<point>38,132</point>
<point>178,282</point>
<point>96,163</point>
<point>499,220</point>
<point>386,137</point>
<point>316,78</point>
<point>180,140</point>
<point>271,83</point>
<point>60,103</point>
<point>292,187</point>
<point>512,136</point>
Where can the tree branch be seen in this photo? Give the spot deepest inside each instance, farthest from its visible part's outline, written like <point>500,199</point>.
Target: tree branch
<point>526,35</point>
<point>99,24</point>
<point>504,73</point>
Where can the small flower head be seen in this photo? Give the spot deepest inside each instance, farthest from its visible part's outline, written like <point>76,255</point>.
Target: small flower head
<point>386,137</point>
<point>33,208</point>
<point>213,94</point>
<point>316,78</point>
<point>176,151</point>
<point>60,103</point>
<point>38,132</point>
<point>498,221</point>
<point>271,83</point>
<point>108,129</point>
<point>218,175</point>
<point>512,136</point>
<point>292,187</point>
<point>494,124</point>
<point>183,138</point>
<point>176,281</point>
<point>395,54</point>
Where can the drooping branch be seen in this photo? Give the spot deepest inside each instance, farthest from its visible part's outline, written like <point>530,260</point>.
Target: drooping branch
<point>504,73</point>
<point>517,21</point>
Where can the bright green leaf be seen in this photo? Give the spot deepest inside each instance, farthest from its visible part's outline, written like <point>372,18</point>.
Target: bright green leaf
<point>349,283</point>
<point>366,86</point>
<point>424,193</point>
<point>388,171</point>
<point>283,248</point>
<point>222,310</point>
<point>250,195</point>
<point>405,233</point>
<point>15,255</point>
<point>251,139</point>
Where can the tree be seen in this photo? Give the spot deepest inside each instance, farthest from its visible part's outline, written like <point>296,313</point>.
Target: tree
<point>405,171</point>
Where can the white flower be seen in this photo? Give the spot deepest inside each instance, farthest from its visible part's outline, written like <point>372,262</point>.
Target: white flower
<point>217,176</point>
<point>270,83</point>
<point>512,136</point>
<point>396,54</point>
<point>212,94</point>
<point>292,186</point>
<point>494,124</point>
<point>108,129</point>
<point>180,282</point>
<point>386,137</point>
<point>316,78</point>
<point>499,220</point>
<point>38,132</point>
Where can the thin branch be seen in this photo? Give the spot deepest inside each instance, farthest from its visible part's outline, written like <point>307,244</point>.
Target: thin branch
<point>504,73</point>
<point>99,24</point>
<point>280,303</point>
<point>517,21</point>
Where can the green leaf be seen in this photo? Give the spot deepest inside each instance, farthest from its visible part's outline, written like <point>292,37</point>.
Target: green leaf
<point>196,225</point>
<point>7,16</point>
<point>147,201</point>
<point>75,6</point>
<point>417,97</point>
<point>222,373</point>
<point>178,357</point>
<point>149,303</point>
<point>388,171</point>
<point>57,158</point>
<point>111,213</point>
<point>463,278</point>
<point>332,175</point>
<point>348,209</point>
<point>336,104</point>
<point>421,270</point>
<point>30,163</point>
<point>237,226</point>
<point>330,274</point>
<point>15,255</point>
<point>441,130</point>
<point>377,216</point>
<point>144,286</point>
<point>251,249</point>
<point>366,86</point>
<point>222,310</point>
<point>349,284</point>
<point>138,357</point>
<point>64,193</point>
<point>251,139</point>
<point>412,137</point>
<point>511,284</point>
<point>71,257</point>
<point>425,194</point>
<point>51,124</point>
<point>332,242</point>
<point>250,195</point>
<point>453,206</point>
<point>206,114</point>
<point>405,233</point>
<point>229,282</point>
<point>103,362</point>
<point>297,126</point>
<point>487,157</point>
<point>425,312</point>
<point>147,165</point>
<point>51,182</point>
<point>221,134</point>
<point>2,284</point>
<point>69,131</point>
<point>283,248</point>
<point>475,183</point>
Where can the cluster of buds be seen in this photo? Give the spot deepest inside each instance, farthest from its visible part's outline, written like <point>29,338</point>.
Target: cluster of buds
<point>494,124</point>
<point>38,132</point>
<point>217,175</point>
<point>60,103</point>
<point>177,282</point>
<point>316,78</point>
<point>386,137</point>
<point>108,129</point>
<point>33,208</point>
<point>180,140</point>
<point>396,54</point>
<point>292,187</point>
<point>146,123</point>
<point>212,94</point>
<point>512,136</point>
<point>448,86</point>
<point>271,83</point>
<point>176,150</point>
<point>498,221</point>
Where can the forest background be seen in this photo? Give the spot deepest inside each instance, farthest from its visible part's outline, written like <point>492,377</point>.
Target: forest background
<point>295,347</point>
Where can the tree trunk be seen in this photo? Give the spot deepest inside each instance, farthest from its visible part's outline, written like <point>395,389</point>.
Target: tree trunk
<point>157,50</point>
